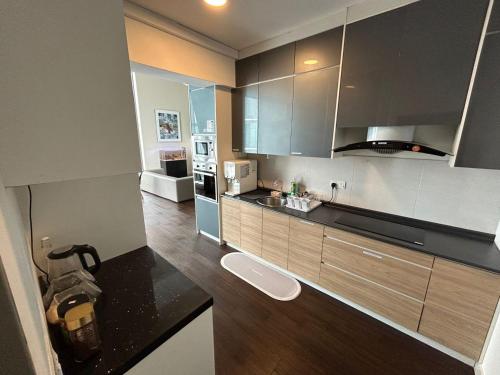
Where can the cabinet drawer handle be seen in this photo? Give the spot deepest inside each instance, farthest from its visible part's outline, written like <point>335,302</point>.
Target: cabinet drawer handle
<point>296,153</point>
<point>306,222</point>
<point>370,254</point>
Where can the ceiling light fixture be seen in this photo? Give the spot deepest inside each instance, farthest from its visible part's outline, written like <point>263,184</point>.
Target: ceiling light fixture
<point>216,3</point>
<point>311,62</point>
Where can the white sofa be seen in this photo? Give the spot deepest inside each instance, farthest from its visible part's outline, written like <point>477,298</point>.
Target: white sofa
<point>176,189</point>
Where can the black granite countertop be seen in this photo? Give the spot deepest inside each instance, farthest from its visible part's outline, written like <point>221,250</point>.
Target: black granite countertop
<point>145,301</point>
<point>469,247</point>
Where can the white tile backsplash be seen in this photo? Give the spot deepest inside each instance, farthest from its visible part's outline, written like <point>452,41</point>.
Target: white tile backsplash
<point>422,189</point>
<point>439,176</point>
<point>321,172</point>
<point>462,197</point>
<point>388,185</point>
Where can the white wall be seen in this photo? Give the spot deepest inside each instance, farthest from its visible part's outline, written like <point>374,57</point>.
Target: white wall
<point>104,212</point>
<point>421,189</point>
<point>148,17</point>
<point>67,106</point>
<point>153,93</point>
<point>150,46</point>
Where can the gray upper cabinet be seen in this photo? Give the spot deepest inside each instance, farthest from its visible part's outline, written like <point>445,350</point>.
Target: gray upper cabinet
<point>494,24</point>
<point>436,57</point>
<point>410,66</point>
<point>319,51</point>
<point>314,101</point>
<point>275,116</point>
<point>369,62</point>
<point>247,71</point>
<point>245,118</point>
<point>479,144</point>
<point>276,63</point>
<point>202,107</point>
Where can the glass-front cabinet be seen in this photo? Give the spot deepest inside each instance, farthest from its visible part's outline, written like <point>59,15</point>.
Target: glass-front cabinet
<point>202,108</point>
<point>245,118</point>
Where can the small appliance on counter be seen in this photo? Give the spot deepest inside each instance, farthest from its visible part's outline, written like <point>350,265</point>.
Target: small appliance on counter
<point>81,325</point>
<point>70,298</point>
<point>73,311</point>
<point>83,279</point>
<point>241,176</point>
<point>71,258</point>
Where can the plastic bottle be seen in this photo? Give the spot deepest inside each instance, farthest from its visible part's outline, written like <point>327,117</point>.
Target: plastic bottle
<point>293,187</point>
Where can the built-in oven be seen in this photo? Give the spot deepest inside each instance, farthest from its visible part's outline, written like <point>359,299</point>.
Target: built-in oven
<point>204,148</point>
<point>205,179</point>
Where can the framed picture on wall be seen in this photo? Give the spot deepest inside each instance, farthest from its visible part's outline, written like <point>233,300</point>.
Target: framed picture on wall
<point>168,125</point>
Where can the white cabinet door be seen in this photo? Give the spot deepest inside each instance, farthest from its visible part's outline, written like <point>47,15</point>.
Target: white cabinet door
<point>189,352</point>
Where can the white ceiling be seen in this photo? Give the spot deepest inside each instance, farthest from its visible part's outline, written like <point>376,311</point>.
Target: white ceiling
<point>243,23</point>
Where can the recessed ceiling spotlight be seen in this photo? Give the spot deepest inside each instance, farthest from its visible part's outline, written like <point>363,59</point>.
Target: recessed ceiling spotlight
<point>311,62</point>
<point>216,3</point>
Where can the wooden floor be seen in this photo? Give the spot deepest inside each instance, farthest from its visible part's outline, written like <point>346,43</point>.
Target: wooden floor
<point>254,334</point>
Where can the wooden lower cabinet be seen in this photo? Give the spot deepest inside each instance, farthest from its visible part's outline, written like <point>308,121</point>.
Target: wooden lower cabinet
<point>251,228</point>
<point>458,332</point>
<point>275,232</point>
<point>448,302</point>
<point>305,246</point>
<point>231,223</point>
<point>399,252</point>
<point>394,306</point>
<point>397,274</point>
<point>459,306</point>
<point>463,289</point>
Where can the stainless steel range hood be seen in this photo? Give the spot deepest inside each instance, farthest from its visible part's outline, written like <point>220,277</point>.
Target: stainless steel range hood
<point>391,140</point>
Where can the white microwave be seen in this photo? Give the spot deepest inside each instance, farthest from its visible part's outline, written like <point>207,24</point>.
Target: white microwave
<point>204,148</point>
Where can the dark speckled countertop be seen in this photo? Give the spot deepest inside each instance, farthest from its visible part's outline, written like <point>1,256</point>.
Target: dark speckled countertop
<point>469,247</point>
<point>145,301</point>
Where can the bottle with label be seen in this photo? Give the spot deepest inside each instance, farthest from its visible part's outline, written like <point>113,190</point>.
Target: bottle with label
<point>293,187</point>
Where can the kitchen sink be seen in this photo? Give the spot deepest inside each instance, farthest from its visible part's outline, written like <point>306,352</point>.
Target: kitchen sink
<point>272,202</point>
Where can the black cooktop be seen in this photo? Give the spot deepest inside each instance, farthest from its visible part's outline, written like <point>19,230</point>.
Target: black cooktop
<point>383,227</point>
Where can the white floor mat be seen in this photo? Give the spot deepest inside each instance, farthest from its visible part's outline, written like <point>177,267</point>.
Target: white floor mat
<point>265,278</point>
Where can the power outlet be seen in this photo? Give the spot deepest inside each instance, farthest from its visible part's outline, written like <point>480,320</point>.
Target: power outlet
<point>340,184</point>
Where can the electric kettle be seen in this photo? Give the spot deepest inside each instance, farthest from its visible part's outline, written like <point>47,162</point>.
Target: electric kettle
<point>70,259</point>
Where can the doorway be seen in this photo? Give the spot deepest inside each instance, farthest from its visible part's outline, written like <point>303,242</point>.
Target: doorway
<point>164,127</point>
